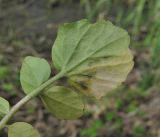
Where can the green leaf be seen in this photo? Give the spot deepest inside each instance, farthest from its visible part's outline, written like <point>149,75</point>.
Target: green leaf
<point>34,72</point>
<point>4,107</point>
<point>63,102</point>
<point>4,72</point>
<point>22,129</point>
<point>95,57</point>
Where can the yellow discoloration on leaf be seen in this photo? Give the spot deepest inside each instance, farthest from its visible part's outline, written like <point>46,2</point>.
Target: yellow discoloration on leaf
<point>104,80</point>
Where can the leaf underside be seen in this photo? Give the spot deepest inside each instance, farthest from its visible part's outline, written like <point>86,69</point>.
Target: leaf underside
<point>34,72</point>
<point>63,102</point>
<point>4,107</point>
<point>95,57</point>
<point>22,129</point>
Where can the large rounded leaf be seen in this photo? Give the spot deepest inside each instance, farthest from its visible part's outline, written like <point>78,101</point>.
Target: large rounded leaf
<point>63,102</point>
<point>34,72</point>
<point>22,129</point>
<point>95,57</point>
<point>4,107</point>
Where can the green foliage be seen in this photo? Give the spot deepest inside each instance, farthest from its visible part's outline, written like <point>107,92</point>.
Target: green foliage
<point>34,72</point>
<point>9,87</point>
<point>125,100</point>
<point>132,107</point>
<point>4,71</point>
<point>92,7</point>
<point>147,80</point>
<point>151,74</point>
<point>63,102</point>
<point>119,104</point>
<point>95,62</point>
<point>139,131</point>
<point>4,107</point>
<point>110,116</point>
<point>22,129</point>
<point>135,15</point>
<point>155,61</point>
<point>92,130</point>
<point>113,117</point>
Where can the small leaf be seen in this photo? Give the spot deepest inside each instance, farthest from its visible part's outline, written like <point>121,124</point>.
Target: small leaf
<point>4,107</point>
<point>34,72</point>
<point>63,102</point>
<point>22,129</point>
<point>95,57</point>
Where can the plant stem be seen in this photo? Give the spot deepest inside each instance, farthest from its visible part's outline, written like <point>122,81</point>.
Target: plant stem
<point>27,98</point>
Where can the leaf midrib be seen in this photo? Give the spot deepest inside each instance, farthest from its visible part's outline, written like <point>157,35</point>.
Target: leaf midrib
<point>76,47</point>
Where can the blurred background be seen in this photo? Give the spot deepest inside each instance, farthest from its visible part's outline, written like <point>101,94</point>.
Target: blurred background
<point>29,27</point>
